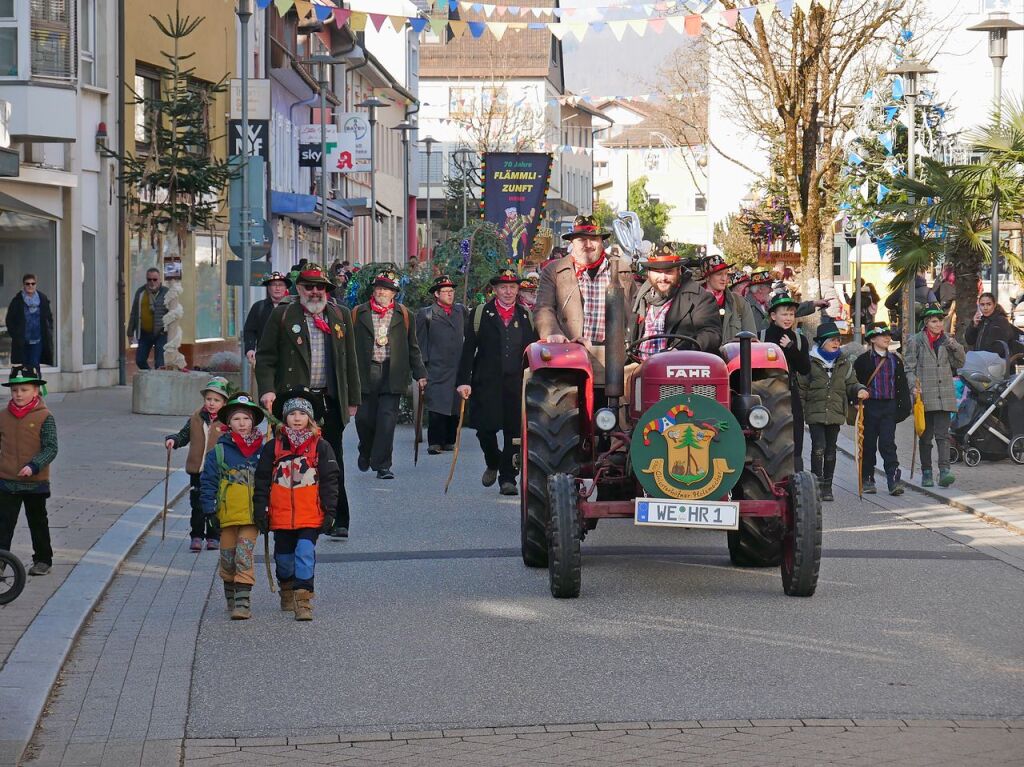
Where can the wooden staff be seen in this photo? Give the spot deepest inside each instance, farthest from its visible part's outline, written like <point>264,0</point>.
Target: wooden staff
<point>458,442</point>
<point>860,449</point>
<point>266,561</point>
<point>419,429</point>
<point>167,480</point>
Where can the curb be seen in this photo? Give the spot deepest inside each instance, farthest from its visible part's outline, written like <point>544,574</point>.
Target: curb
<point>989,512</point>
<point>31,670</point>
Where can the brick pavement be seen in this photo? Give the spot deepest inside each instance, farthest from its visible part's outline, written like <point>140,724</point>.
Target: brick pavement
<point>108,460</point>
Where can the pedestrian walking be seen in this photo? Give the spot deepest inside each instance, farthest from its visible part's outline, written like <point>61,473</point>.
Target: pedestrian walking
<point>829,384</point>
<point>30,326</point>
<point>146,321</point>
<point>200,433</point>
<point>990,329</point>
<point>310,342</point>
<point>491,377</point>
<point>227,495</point>
<point>759,296</point>
<point>388,353</point>
<point>295,495</point>
<point>782,312</point>
<point>736,313</point>
<point>932,358</point>
<point>278,286</point>
<point>882,372</point>
<point>440,332</point>
<point>28,445</point>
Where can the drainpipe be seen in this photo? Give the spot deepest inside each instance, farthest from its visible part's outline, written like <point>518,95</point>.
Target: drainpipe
<point>122,217</point>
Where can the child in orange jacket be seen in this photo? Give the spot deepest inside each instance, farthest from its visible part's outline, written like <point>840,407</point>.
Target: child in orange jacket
<point>295,494</point>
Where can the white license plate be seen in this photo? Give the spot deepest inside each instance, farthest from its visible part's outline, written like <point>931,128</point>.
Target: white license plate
<point>667,513</point>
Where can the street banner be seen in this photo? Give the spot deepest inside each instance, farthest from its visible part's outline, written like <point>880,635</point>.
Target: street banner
<point>515,193</point>
<point>354,154</point>
<point>309,144</point>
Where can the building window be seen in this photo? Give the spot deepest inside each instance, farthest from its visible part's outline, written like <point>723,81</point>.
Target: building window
<point>27,244</point>
<point>89,333</point>
<point>147,87</point>
<point>87,24</point>
<point>209,292</point>
<point>8,39</point>
<point>54,39</point>
<point>700,203</point>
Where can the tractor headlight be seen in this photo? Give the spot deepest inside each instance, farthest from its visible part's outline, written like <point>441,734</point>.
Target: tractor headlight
<point>604,419</point>
<point>759,417</point>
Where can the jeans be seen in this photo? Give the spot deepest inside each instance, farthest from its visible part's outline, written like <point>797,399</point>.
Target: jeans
<point>201,527</point>
<point>936,426</point>
<point>880,436</point>
<point>295,557</point>
<point>148,341</point>
<point>441,428</point>
<point>38,525</point>
<point>33,356</point>
<point>376,418</point>
<point>823,450</point>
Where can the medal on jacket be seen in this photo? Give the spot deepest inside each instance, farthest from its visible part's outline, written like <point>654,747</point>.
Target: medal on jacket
<point>382,335</point>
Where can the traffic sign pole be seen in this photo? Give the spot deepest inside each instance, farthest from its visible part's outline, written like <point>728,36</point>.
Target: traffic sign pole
<point>244,14</point>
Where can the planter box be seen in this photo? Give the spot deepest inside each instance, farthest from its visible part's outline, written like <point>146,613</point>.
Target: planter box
<point>167,392</point>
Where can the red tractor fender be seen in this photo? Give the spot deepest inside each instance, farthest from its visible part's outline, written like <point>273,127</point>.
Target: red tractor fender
<point>763,356</point>
<point>541,355</point>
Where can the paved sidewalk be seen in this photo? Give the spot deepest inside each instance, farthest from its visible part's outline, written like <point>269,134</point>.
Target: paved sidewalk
<point>108,460</point>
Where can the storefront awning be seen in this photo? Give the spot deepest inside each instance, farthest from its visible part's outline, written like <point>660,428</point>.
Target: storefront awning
<point>360,206</point>
<point>305,208</point>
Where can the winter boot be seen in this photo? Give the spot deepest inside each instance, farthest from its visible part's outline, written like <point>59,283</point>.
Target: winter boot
<point>926,478</point>
<point>241,611</point>
<point>895,483</point>
<point>946,478</point>
<point>287,597</point>
<point>303,605</point>
<point>868,487</point>
<point>229,595</point>
<point>828,471</point>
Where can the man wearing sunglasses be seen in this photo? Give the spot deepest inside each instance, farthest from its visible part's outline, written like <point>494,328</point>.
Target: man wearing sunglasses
<point>30,326</point>
<point>146,321</point>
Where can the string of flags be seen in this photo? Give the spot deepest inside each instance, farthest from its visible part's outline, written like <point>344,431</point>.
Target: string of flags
<point>643,98</point>
<point>652,17</point>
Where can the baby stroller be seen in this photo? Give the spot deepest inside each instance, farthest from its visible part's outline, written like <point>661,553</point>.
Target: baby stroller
<point>991,413</point>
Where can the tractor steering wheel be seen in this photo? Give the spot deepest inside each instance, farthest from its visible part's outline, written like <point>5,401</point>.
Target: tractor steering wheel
<point>633,349</point>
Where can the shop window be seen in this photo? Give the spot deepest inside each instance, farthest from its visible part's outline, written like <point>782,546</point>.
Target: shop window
<point>27,244</point>
<point>88,298</point>
<point>209,287</point>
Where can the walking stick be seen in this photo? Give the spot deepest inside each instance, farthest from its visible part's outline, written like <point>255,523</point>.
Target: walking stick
<point>419,429</point>
<point>860,449</point>
<point>266,561</point>
<point>167,480</point>
<point>458,442</point>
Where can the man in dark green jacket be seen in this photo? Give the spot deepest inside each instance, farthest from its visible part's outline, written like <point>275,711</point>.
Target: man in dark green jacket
<point>387,350</point>
<point>310,343</point>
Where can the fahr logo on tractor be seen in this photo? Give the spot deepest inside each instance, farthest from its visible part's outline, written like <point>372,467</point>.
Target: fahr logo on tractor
<point>696,440</point>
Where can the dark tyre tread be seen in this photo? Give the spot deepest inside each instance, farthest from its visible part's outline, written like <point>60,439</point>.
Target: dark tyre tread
<point>12,577</point>
<point>565,561</point>
<point>757,543</point>
<point>801,558</point>
<point>552,431</point>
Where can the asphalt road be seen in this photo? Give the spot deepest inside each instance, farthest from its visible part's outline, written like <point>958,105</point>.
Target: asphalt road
<point>426,618</point>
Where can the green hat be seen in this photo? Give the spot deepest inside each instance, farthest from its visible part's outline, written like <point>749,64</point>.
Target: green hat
<point>781,299</point>
<point>878,329</point>
<point>218,385</point>
<point>826,330</point>
<point>24,375</point>
<point>242,400</point>
<point>932,310</point>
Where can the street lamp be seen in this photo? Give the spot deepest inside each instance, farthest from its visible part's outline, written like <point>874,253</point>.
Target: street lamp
<point>405,127</point>
<point>371,104</point>
<point>244,13</point>
<point>910,70</point>
<point>464,151</point>
<point>997,25</point>
<point>324,62</point>
<point>429,141</point>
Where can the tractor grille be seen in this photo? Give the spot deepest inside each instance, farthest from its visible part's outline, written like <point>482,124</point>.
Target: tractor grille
<point>704,390</point>
<point>701,390</point>
<point>664,392</point>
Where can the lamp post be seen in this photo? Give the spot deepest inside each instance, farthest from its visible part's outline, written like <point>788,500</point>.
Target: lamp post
<point>465,215</point>
<point>371,104</point>
<point>323,62</point>
<point>244,13</point>
<point>997,25</point>
<point>405,127</point>
<point>429,141</point>
<point>910,70</point>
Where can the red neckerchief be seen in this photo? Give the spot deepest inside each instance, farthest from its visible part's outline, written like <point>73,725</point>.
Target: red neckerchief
<point>505,312</point>
<point>318,321</point>
<point>588,267</point>
<point>447,309</point>
<point>933,340</point>
<point>381,310</point>
<point>21,412</point>
<point>719,297</point>
<point>249,449</point>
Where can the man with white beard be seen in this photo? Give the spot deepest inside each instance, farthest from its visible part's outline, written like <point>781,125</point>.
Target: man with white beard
<point>310,343</point>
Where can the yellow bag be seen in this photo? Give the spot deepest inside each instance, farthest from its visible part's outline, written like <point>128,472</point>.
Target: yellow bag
<point>918,414</point>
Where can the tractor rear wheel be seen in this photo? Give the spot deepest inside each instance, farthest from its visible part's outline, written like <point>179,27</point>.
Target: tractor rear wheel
<point>757,542</point>
<point>551,438</point>
<point>801,545</point>
<point>565,561</point>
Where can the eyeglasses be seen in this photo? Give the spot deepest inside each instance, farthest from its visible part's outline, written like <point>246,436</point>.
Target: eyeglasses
<point>29,284</point>
<point>311,288</point>
<point>152,279</point>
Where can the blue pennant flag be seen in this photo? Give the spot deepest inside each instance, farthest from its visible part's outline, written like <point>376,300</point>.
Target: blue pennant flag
<point>906,35</point>
<point>477,7</point>
<point>453,6</point>
<point>890,114</point>
<point>514,10</point>
<point>536,25</point>
<point>870,94</point>
<point>262,4</point>
<point>897,88</point>
<point>855,159</point>
<point>418,24</point>
<point>748,14</point>
<point>883,192</point>
<point>476,28</point>
<point>886,141</point>
<point>845,206</point>
<point>785,8</point>
<point>597,26</point>
<point>323,12</point>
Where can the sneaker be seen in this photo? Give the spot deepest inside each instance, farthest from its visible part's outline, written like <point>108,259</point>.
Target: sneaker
<point>490,477</point>
<point>895,484</point>
<point>826,493</point>
<point>196,545</point>
<point>212,544</point>
<point>39,568</point>
<point>926,478</point>
<point>448,448</point>
<point>946,478</point>
<point>338,532</point>
<point>868,487</point>
<point>385,474</point>
<point>509,488</point>
<point>434,450</point>
<point>363,464</point>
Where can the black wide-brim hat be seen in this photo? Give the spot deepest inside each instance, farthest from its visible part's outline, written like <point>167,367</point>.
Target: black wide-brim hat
<point>314,398</point>
<point>241,400</point>
<point>826,330</point>
<point>506,277</point>
<point>781,299</point>
<point>24,375</point>
<point>444,281</point>
<point>274,276</point>
<point>761,278</point>
<point>386,279</point>
<point>314,274</point>
<point>586,226</point>
<point>711,264</point>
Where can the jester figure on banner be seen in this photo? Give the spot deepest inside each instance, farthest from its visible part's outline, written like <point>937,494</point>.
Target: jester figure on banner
<point>516,231</point>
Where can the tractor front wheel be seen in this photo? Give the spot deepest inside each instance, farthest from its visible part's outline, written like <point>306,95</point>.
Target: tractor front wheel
<point>801,544</point>
<point>565,561</point>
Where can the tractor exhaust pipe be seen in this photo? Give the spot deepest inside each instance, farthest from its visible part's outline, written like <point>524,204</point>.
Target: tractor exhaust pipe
<point>614,339</point>
<point>746,381</point>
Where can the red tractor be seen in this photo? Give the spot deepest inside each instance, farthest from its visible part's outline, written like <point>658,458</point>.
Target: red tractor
<point>701,441</point>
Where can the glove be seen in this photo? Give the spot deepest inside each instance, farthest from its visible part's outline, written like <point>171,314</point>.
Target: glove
<point>213,523</point>
<point>327,524</point>
<point>262,520</point>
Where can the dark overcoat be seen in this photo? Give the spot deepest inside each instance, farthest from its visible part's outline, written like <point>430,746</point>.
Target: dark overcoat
<point>693,313</point>
<point>406,361</point>
<point>282,357</point>
<point>441,337</point>
<point>257,318</point>
<point>492,363</point>
<point>16,328</point>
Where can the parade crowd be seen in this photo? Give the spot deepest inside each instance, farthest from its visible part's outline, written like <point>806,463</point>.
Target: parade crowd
<point>319,365</point>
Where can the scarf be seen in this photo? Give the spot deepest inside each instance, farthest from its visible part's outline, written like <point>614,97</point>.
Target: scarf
<point>318,321</point>
<point>719,297</point>
<point>654,298</point>
<point>298,438</point>
<point>381,310</point>
<point>505,312</point>
<point>447,309</point>
<point>829,356</point>
<point>24,410</point>
<point>587,267</point>
<point>32,302</point>
<point>933,340</point>
<point>249,445</point>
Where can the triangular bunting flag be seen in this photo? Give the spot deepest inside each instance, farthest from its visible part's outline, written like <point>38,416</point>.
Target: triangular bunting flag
<point>341,17</point>
<point>578,29</point>
<point>323,12</point>
<point>598,26</point>
<point>855,159</point>
<point>283,6</point>
<point>488,11</point>
<point>398,22</point>
<point>501,9</point>
<point>458,28</point>
<point>497,29</point>
<point>514,10</point>
<point>713,18</point>
<point>658,25</point>
<point>677,23</point>
<point>357,21</point>
<point>883,191</point>
<point>418,24</point>
<point>886,141</point>
<point>729,18</point>
<point>558,29</point>
<point>638,25</point>
<point>378,20</point>
<point>437,26</point>
<point>897,88</point>
<point>304,8</point>
<point>263,4</point>
<point>890,114</point>
<point>766,10</point>
<point>693,25</point>
<point>748,14</point>
<point>618,29</point>
<point>476,28</point>
<point>785,8</point>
